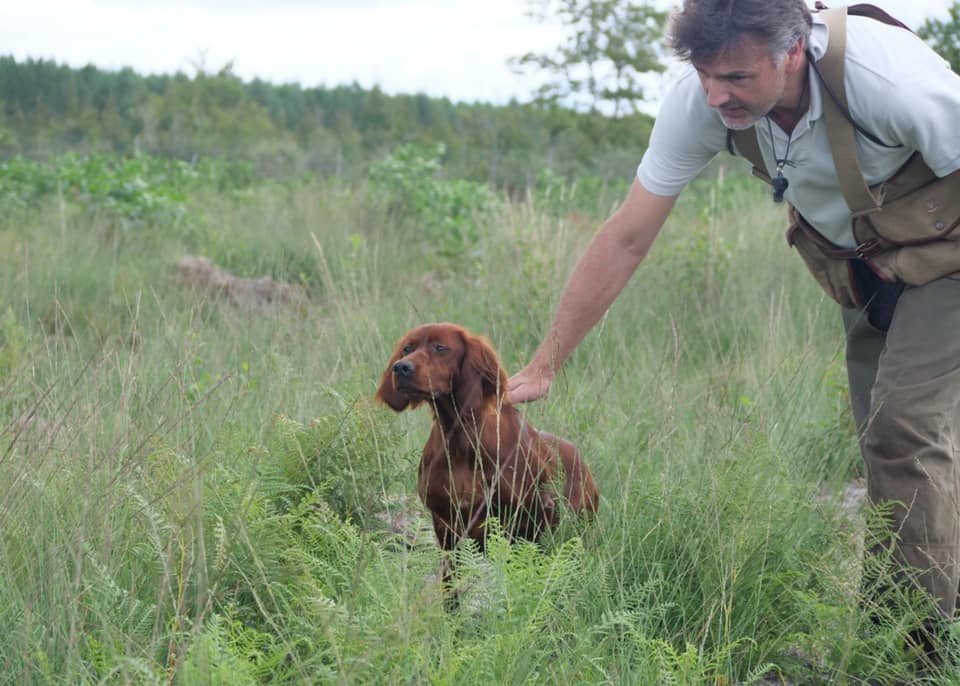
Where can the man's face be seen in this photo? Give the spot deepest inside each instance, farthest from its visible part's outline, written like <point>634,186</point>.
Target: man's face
<point>744,83</point>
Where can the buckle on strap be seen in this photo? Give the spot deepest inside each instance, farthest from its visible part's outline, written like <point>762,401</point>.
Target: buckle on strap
<point>868,248</point>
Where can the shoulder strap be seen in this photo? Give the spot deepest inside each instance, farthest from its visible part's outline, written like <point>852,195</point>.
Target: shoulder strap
<point>865,9</point>
<point>749,147</point>
<point>835,88</point>
<point>840,132</point>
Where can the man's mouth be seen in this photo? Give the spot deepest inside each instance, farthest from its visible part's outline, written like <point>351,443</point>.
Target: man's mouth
<point>732,111</point>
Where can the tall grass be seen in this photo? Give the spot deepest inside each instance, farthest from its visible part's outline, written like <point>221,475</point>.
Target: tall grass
<point>193,491</point>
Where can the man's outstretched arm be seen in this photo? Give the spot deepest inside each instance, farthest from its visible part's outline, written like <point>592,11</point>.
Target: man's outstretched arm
<point>600,275</point>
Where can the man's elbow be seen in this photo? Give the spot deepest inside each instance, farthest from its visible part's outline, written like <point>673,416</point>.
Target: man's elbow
<point>627,239</point>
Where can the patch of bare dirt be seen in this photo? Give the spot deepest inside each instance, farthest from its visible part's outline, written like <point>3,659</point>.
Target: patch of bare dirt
<point>203,276</point>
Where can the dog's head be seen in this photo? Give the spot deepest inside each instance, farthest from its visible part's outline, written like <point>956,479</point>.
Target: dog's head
<point>438,361</point>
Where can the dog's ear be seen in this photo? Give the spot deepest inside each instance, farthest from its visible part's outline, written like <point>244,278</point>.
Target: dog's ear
<point>481,377</point>
<point>387,393</point>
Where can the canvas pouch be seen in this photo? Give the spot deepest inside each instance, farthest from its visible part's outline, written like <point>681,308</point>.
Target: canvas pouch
<point>834,275</point>
<point>913,236</point>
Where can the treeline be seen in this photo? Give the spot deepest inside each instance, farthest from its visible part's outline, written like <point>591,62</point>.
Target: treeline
<point>48,108</point>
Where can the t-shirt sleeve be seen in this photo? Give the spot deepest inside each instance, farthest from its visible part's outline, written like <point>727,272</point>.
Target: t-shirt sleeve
<point>933,128</point>
<point>686,135</point>
<point>913,97</point>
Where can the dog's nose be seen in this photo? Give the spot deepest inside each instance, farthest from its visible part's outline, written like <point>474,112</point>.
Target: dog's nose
<point>403,368</point>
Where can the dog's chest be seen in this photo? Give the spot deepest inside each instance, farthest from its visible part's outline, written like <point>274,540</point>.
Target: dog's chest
<point>456,471</point>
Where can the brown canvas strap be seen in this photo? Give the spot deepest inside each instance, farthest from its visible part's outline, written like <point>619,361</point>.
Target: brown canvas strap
<point>840,132</point>
<point>749,147</point>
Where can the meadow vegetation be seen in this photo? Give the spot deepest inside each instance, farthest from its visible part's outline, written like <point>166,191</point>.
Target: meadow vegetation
<point>194,491</point>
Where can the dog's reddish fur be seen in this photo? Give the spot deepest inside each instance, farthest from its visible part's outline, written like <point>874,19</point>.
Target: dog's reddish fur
<point>482,459</point>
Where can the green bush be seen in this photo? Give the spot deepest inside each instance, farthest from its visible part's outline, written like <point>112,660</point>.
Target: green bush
<point>451,214</point>
<point>138,188</point>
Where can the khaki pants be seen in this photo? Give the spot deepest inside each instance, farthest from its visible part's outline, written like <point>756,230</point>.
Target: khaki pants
<point>905,392</point>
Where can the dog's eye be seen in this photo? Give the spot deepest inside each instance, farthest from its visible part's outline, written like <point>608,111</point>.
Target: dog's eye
<point>408,348</point>
<point>440,348</point>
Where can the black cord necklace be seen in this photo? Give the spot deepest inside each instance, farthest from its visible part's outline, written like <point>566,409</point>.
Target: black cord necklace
<point>780,182</point>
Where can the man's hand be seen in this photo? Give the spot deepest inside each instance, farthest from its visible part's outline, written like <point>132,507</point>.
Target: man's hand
<point>528,384</point>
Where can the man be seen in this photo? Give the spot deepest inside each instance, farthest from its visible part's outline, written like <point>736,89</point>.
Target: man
<point>753,65</point>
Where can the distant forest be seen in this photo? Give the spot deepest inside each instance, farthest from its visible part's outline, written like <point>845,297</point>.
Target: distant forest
<point>47,109</point>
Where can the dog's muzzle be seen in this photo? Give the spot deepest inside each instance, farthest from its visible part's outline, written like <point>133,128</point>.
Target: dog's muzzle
<point>403,369</point>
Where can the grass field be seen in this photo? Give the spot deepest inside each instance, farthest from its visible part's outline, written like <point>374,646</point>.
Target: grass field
<point>194,490</point>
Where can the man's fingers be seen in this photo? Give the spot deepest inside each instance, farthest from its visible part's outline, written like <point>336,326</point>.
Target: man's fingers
<point>520,389</point>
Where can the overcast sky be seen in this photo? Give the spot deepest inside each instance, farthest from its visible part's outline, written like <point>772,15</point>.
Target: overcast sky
<point>453,48</point>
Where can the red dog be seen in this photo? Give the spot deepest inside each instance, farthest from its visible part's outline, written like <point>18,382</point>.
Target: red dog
<point>482,459</point>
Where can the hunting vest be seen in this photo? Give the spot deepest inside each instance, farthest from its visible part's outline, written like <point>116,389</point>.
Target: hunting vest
<point>906,228</point>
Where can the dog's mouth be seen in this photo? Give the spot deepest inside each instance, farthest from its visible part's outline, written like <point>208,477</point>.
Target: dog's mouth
<point>415,390</point>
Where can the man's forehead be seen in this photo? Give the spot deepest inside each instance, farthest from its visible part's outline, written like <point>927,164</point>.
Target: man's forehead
<point>746,54</point>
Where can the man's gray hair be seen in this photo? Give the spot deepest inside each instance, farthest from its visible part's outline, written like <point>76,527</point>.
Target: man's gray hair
<point>704,29</point>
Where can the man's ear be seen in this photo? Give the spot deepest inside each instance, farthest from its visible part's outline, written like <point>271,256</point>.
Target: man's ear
<point>795,55</point>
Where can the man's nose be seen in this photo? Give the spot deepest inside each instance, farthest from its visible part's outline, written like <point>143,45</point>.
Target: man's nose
<point>717,95</point>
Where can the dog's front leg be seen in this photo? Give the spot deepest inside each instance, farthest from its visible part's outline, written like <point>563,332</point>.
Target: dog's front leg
<point>448,539</point>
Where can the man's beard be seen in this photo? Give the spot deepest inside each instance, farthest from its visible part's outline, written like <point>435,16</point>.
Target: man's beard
<point>748,118</point>
<point>748,114</point>
<point>740,125</point>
